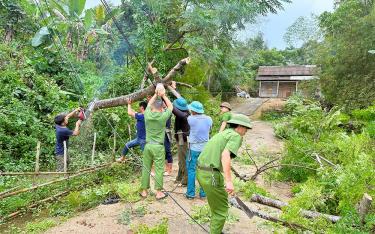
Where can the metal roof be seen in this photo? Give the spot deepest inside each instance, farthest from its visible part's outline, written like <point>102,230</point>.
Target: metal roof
<point>295,70</point>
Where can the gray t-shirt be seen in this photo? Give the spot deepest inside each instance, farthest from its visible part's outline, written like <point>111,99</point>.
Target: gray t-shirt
<point>200,126</point>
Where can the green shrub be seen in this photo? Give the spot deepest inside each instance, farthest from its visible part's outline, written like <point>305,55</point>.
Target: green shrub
<point>39,227</point>
<point>161,228</point>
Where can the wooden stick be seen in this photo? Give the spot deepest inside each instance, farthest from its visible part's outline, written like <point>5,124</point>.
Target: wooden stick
<point>93,150</point>
<point>85,171</point>
<point>243,178</point>
<point>364,206</point>
<point>280,204</point>
<point>130,132</point>
<point>17,213</point>
<point>37,157</point>
<point>114,148</point>
<point>34,173</point>
<point>65,158</point>
<point>9,190</point>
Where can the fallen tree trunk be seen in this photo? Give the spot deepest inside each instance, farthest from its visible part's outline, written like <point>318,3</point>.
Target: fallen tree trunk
<point>280,204</point>
<point>234,201</point>
<point>139,95</point>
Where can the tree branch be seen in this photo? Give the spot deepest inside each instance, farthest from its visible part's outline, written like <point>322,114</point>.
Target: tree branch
<point>139,95</point>
<point>280,204</point>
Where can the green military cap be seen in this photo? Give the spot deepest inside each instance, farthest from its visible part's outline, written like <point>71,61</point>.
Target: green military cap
<point>240,119</point>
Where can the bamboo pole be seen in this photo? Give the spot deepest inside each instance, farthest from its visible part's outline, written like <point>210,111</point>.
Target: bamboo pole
<point>114,148</point>
<point>37,157</point>
<point>93,150</point>
<point>35,173</point>
<point>130,132</point>
<point>17,213</point>
<point>9,190</point>
<point>85,171</point>
<point>65,158</point>
<point>44,172</point>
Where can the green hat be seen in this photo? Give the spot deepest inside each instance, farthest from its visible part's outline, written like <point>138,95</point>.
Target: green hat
<point>240,119</point>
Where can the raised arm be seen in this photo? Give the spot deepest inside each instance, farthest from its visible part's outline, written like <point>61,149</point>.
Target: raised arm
<point>131,112</point>
<point>180,114</point>
<point>173,90</point>
<point>152,99</point>
<point>76,129</point>
<point>71,114</point>
<point>167,102</point>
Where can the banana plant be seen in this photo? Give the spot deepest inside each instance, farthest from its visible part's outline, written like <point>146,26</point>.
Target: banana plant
<point>75,27</point>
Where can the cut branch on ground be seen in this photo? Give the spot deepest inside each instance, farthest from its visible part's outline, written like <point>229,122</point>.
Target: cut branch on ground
<point>280,204</point>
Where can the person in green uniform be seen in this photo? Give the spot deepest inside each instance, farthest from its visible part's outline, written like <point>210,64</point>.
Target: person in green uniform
<point>225,115</point>
<point>155,119</point>
<point>214,161</point>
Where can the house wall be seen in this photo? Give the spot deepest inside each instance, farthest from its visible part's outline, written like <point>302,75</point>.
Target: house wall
<point>280,89</point>
<point>268,89</point>
<point>287,89</point>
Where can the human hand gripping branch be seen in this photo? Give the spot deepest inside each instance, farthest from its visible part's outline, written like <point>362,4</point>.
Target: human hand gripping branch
<point>172,88</point>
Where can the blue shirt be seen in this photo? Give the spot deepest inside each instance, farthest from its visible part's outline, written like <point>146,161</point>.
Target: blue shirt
<point>62,134</point>
<point>200,126</point>
<point>141,129</point>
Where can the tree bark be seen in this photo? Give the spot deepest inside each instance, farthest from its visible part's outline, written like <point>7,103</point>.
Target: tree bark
<point>139,95</point>
<point>251,212</point>
<point>364,206</point>
<point>280,204</point>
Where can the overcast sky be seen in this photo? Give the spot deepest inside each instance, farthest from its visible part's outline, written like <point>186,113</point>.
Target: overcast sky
<point>274,25</point>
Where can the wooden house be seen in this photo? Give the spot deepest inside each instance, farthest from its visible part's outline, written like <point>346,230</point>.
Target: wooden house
<point>282,81</point>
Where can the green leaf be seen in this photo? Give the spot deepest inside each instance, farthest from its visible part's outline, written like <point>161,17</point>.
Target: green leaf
<point>89,19</point>
<point>114,13</point>
<point>76,7</point>
<point>40,37</point>
<point>61,7</point>
<point>101,31</point>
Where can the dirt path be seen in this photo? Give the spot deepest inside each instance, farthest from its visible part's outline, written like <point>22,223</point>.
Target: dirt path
<point>104,218</point>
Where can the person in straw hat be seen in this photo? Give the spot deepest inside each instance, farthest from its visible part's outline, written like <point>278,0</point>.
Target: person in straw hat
<point>214,168</point>
<point>225,115</point>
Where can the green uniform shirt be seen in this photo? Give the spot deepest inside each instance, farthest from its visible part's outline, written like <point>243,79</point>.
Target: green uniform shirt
<point>211,154</point>
<point>155,125</point>
<point>225,117</point>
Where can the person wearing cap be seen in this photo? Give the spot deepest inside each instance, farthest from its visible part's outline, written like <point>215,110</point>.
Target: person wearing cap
<point>200,126</point>
<point>214,168</point>
<point>155,118</point>
<point>225,115</point>
<point>181,129</point>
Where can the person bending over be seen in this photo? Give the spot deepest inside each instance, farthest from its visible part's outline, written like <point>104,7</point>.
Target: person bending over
<point>155,119</point>
<point>141,130</point>
<point>62,134</point>
<point>214,161</point>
